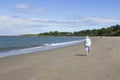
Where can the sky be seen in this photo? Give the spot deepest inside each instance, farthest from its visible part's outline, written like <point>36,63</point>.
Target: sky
<point>37,16</point>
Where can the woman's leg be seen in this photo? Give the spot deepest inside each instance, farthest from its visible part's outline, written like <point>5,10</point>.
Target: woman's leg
<point>88,50</point>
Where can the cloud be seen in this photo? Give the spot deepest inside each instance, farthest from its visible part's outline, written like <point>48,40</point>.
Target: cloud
<point>24,8</point>
<point>103,20</point>
<point>95,21</point>
<point>15,25</point>
<point>10,25</point>
<point>13,21</point>
<point>21,6</point>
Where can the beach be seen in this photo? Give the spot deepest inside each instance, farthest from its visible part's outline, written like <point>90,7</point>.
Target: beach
<point>66,63</point>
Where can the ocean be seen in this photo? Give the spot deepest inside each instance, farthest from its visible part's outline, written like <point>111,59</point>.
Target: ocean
<point>14,45</point>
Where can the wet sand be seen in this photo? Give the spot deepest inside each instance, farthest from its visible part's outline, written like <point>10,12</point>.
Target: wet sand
<point>66,63</point>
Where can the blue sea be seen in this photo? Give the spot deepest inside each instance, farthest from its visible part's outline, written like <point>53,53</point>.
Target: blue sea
<point>14,45</point>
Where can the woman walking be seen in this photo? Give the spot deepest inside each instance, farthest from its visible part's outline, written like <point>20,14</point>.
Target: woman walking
<point>88,45</point>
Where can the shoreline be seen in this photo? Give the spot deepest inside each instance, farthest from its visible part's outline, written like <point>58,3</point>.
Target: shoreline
<point>66,63</point>
<point>39,48</point>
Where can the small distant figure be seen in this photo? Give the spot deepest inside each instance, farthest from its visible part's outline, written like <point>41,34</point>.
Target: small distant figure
<point>88,45</point>
<point>100,36</point>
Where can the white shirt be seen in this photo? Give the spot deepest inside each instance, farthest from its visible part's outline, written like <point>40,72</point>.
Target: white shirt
<point>87,42</point>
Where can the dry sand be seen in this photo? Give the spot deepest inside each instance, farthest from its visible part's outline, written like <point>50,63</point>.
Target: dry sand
<point>66,63</point>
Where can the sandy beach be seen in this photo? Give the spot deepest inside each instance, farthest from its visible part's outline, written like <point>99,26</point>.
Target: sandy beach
<point>66,63</point>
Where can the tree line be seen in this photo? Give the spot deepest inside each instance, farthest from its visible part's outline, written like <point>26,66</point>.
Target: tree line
<point>110,31</point>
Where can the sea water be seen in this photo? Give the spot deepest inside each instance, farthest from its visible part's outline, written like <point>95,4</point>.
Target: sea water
<point>14,45</point>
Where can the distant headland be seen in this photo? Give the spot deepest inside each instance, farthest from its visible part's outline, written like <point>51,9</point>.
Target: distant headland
<point>110,31</point>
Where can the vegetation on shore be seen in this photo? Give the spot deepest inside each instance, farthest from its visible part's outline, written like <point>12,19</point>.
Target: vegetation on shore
<point>110,31</point>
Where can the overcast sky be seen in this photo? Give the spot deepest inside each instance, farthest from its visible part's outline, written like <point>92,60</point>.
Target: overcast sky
<point>37,16</point>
